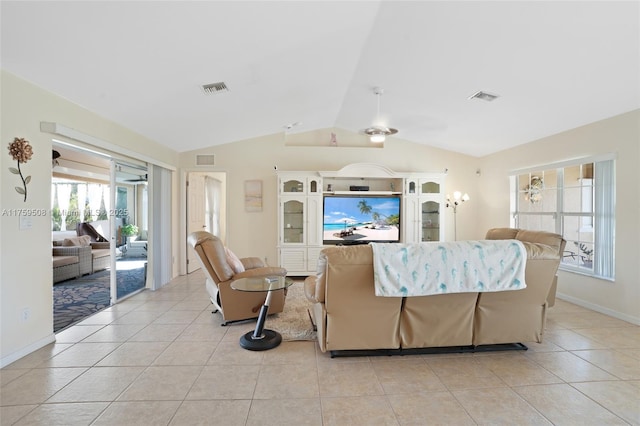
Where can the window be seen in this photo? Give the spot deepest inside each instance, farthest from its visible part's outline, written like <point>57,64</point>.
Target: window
<point>577,200</point>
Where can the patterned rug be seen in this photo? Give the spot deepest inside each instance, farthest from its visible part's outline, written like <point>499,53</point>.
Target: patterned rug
<point>294,323</point>
<point>74,300</point>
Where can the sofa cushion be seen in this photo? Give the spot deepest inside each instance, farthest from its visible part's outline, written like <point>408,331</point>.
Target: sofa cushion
<point>234,261</point>
<point>540,251</point>
<point>82,241</point>
<point>547,238</point>
<point>59,261</point>
<point>99,253</point>
<point>502,234</point>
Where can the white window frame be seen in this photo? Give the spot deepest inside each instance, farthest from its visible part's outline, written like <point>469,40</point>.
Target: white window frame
<point>602,220</point>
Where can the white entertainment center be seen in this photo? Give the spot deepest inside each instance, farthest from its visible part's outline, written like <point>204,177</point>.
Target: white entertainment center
<point>301,200</point>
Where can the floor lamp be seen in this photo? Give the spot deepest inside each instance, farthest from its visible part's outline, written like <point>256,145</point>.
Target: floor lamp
<point>458,198</point>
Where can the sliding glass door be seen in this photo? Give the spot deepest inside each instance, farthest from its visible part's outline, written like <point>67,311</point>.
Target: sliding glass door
<point>129,228</point>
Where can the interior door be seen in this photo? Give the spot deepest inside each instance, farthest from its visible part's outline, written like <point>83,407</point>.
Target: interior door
<point>206,208</point>
<point>196,210</point>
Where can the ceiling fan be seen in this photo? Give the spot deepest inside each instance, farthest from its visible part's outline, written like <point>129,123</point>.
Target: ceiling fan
<point>141,178</point>
<point>378,133</point>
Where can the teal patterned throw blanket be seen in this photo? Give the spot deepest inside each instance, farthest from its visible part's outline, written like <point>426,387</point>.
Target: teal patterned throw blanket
<point>422,269</point>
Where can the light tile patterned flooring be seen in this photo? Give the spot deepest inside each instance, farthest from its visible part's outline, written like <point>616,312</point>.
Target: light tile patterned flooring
<point>161,358</point>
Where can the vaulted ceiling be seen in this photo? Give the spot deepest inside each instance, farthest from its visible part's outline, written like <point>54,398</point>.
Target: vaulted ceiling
<point>554,65</point>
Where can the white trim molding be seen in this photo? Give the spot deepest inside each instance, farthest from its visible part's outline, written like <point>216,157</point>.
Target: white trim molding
<point>110,148</point>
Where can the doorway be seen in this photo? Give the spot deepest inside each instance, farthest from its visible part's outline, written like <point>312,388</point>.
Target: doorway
<point>206,208</point>
<point>93,197</point>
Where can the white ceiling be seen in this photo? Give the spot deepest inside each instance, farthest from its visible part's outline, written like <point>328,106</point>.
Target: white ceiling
<point>555,65</point>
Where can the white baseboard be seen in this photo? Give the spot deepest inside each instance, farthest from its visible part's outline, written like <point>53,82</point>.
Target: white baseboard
<point>598,308</point>
<point>27,350</point>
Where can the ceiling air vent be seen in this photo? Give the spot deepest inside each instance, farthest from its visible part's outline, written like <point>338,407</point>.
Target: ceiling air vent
<point>205,160</point>
<point>483,96</point>
<point>210,89</point>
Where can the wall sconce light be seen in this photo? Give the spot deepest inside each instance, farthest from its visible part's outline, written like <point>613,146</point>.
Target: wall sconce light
<point>458,199</point>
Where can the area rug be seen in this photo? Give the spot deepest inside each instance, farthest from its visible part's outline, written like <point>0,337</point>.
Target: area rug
<point>294,322</point>
<point>74,300</point>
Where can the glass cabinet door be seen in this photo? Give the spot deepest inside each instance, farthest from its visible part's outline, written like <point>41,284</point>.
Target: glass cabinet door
<point>411,187</point>
<point>293,221</point>
<point>429,187</point>
<point>292,185</point>
<point>315,186</point>
<point>430,221</point>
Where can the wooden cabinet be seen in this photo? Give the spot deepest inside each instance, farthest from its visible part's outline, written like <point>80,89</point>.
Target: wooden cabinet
<point>299,221</point>
<point>301,261</point>
<point>424,202</point>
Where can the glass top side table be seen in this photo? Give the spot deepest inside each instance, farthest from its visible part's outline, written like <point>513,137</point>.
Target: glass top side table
<point>261,339</point>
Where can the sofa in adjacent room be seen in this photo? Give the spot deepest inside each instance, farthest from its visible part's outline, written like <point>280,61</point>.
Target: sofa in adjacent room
<point>350,318</point>
<point>66,262</point>
<point>99,252</point>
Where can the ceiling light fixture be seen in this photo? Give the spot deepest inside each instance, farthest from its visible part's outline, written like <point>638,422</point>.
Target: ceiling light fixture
<point>376,133</point>
<point>292,125</point>
<point>213,88</point>
<point>483,96</point>
<point>377,136</point>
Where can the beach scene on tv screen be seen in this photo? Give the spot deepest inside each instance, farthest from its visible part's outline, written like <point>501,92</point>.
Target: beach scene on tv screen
<point>361,219</point>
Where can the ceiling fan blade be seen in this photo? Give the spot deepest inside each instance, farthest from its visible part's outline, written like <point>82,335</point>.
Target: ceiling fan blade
<point>380,131</point>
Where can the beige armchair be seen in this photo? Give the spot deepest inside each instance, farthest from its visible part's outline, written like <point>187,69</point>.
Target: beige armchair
<point>233,305</point>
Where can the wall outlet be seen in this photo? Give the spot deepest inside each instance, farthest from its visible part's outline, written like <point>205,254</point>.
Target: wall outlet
<point>25,314</point>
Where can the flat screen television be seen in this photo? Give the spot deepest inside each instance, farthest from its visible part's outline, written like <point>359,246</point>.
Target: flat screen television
<point>361,219</point>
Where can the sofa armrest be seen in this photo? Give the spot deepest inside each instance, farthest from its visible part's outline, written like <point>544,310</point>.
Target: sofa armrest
<point>72,251</point>
<point>252,263</point>
<point>315,285</point>
<point>85,258</point>
<point>314,289</point>
<point>267,271</point>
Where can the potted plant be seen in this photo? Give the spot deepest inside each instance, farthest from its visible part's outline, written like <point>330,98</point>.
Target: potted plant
<point>586,254</point>
<point>130,231</point>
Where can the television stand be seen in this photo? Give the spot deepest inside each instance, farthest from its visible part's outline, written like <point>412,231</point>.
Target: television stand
<point>302,195</point>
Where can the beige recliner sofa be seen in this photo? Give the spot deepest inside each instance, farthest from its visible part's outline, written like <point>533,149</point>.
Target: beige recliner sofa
<point>350,318</point>
<point>234,305</point>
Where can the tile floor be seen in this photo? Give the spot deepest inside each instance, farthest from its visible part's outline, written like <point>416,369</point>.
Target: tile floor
<point>161,358</point>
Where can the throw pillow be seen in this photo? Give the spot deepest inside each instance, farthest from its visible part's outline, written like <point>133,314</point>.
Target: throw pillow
<point>234,262</point>
<point>82,241</point>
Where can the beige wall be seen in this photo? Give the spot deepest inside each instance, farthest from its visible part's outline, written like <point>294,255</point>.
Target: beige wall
<point>619,135</point>
<point>25,254</point>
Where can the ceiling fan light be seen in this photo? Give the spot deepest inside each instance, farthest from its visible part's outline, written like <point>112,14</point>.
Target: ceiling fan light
<point>377,138</point>
<point>379,133</point>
